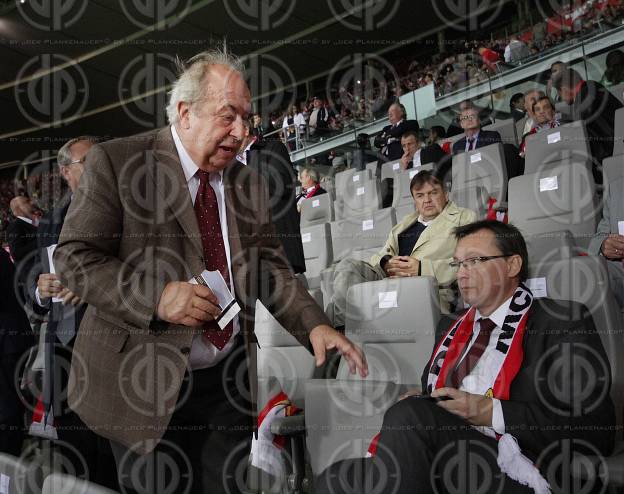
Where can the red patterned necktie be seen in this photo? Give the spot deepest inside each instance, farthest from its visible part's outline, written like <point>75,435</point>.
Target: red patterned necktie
<point>215,258</point>
<point>468,363</point>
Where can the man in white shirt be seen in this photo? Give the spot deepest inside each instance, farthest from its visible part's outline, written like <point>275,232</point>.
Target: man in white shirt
<point>492,376</point>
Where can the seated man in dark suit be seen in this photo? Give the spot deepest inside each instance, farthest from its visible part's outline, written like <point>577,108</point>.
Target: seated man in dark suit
<point>415,155</point>
<point>595,105</point>
<point>474,136</point>
<point>389,141</point>
<point>490,400</point>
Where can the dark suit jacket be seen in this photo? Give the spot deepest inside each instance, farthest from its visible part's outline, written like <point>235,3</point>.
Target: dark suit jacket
<point>15,333</point>
<point>15,339</point>
<point>22,240</point>
<point>393,150</point>
<point>538,416</point>
<point>430,154</point>
<point>597,106</point>
<point>121,245</point>
<point>486,137</point>
<point>48,233</point>
<point>271,160</point>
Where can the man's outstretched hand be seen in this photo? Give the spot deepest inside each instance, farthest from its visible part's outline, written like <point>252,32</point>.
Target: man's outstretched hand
<point>325,338</point>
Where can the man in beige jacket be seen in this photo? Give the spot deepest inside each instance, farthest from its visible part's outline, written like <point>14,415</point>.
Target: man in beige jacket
<point>421,244</point>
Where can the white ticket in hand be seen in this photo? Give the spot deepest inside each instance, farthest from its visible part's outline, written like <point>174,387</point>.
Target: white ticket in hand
<point>50,249</point>
<point>229,307</point>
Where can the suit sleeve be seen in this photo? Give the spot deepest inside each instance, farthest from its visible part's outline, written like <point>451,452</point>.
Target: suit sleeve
<point>389,249</point>
<point>558,413</point>
<point>86,256</point>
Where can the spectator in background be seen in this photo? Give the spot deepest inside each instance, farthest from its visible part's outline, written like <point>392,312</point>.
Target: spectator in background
<point>389,141</point>
<point>516,107</point>
<point>614,71</point>
<point>64,319</point>
<point>363,153</point>
<point>15,338</point>
<point>474,136</point>
<point>270,159</point>
<point>490,57</point>
<point>415,155</point>
<point>595,105</point>
<point>545,118</point>
<point>421,244</point>
<point>310,186</point>
<point>258,128</point>
<point>319,118</point>
<point>516,51</point>
<point>555,67</point>
<point>293,126</point>
<point>524,126</point>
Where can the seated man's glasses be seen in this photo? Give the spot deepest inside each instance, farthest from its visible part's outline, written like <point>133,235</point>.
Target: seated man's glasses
<point>472,262</point>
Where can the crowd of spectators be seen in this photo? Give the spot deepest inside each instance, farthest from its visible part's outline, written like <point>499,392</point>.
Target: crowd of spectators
<point>458,66</point>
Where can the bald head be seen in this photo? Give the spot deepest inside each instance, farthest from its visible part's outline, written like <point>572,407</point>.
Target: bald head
<point>22,206</point>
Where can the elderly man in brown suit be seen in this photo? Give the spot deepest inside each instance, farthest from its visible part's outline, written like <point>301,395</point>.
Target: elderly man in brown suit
<point>151,369</point>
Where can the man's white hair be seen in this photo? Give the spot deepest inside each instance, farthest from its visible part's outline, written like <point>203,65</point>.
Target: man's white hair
<point>189,86</point>
<point>64,157</point>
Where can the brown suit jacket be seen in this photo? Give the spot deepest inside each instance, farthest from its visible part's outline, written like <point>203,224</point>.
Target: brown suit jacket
<point>130,230</point>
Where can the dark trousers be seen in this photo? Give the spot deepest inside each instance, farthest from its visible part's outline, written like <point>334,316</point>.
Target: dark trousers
<point>11,408</point>
<point>206,446</point>
<point>423,449</point>
<point>82,453</point>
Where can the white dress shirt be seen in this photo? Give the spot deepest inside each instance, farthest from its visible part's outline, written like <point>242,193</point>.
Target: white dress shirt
<point>205,354</point>
<point>416,159</point>
<point>479,377</point>
<point>474,138</point>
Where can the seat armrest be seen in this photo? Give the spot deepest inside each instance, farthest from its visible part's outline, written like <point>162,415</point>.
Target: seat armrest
<point>289,426</point>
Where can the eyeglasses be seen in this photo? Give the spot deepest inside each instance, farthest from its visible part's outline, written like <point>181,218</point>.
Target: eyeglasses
<point>472,262</point>
<point>468,117</point>
<point>73,162</point>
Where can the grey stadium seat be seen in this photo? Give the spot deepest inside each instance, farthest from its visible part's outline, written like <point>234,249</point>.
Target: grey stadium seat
<point>358,198</point>
<point>584,279</point>
<point>372,167</point>
<point>549,147</point>
<point>474,198</point>
<point>58,483</point>
<point>507,130</point>
<point>483,167</point>
<point>563,197</point>
<point>402,193</point>
<point>394,322</point>
<point>318,251</point>
<point>318,209</point>
<point>618,143</point>
<point>350,176</point>
<point>21,476</point>
<point>343,415</point>
<point>361,233</point>
<point>551,246</point>
<point>390,169</point>
<point>403,210</point>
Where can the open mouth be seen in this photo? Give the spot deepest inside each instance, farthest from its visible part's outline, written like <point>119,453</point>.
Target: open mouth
<point>228,149</point>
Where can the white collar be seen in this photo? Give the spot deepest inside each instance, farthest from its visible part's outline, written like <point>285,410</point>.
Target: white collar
<point>498,316</point>
<point>475,137</point>
<point>426,223</point>
<point>188,165</point>
<point>27,220</point>
<point>242,156</point>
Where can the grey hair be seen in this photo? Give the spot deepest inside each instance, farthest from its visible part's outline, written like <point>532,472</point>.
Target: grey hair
<point>188,87</point>
<point>312,173</point>
<point>63,157</point>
